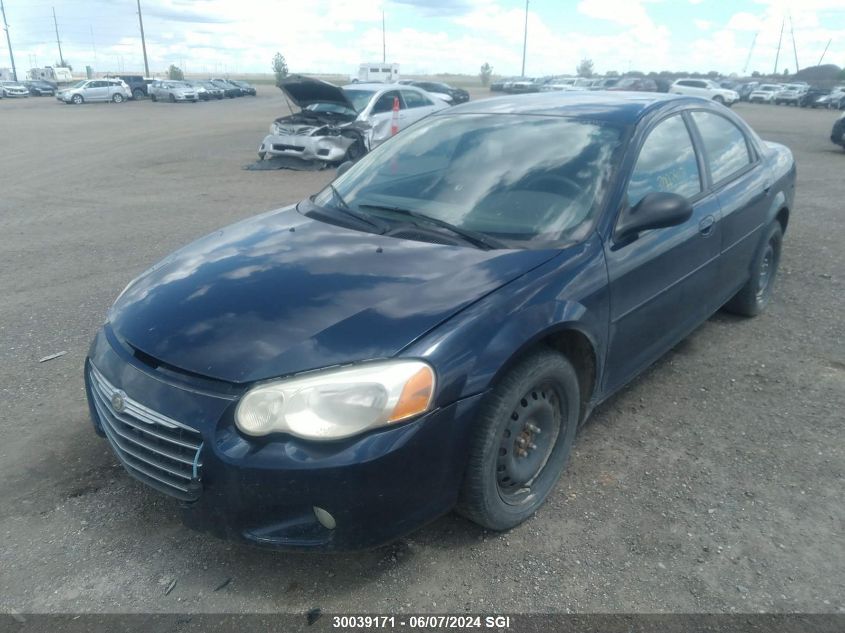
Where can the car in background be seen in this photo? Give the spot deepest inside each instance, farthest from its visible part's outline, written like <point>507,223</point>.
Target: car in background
<point>173,91</point>
<point>441,91</point>
<point>790,94</point>
<point>230,88</point>
<point>247,89</point>
<point>499,84</point>
<point>40,88</point>
<point>706,89</point>
<point>746,88</point>
<point>11,89</point>
<point>810,98</point>
<point>605,83</point>
<point>138,85</point>
<point>342,124</point>
<point>835,100</point>
<point>206,90</point>
<point>92,90</point>
<point>837,134</point>
<point>430,330</point>
<point>634,84</point>
<point>553,84</point>
<point>764,93</point>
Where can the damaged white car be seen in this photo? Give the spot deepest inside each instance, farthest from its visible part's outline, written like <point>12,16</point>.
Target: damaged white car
<point>337,124</point>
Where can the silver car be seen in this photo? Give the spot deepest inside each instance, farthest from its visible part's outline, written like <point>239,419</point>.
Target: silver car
<point>173,91</point>
<point>13,89</point>
<point>86,90</point>
<point>337,124</point>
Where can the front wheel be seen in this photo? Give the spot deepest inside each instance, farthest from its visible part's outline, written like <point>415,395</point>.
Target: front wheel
<point>172,98</point>
<point>77,99</point>
<point>523,436</point>
<point>153,98</point>
<point>755,295</point>
<point>719,99</point>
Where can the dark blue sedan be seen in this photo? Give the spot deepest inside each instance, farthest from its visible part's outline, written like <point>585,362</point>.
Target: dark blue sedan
<point>429,331</point>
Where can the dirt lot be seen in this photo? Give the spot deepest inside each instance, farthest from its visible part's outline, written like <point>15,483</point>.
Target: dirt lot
<point>714,483</point>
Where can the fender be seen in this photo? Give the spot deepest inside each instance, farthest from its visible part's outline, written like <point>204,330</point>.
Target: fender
<point>569,292</point>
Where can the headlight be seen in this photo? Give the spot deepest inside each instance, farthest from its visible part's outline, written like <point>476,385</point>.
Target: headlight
<point>338,403</point>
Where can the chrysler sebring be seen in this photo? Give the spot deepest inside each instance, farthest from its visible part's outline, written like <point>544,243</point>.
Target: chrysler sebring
<point>429,331</point>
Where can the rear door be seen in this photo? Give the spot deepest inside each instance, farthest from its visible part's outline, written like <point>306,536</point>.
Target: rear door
<point>662,282</point>
<point>417,106</point>
<point>381,116</point>
<point>744,191</point>
<point>97,90</point>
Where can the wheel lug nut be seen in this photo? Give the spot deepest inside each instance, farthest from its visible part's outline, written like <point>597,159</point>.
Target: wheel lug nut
<point>521,441</point>
<point>532,446</point>
<point>534,428</point>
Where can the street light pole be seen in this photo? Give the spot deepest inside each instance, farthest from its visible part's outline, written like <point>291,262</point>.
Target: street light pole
<point>143,41</point>
<point>525,38</point>
<point>8,41</point>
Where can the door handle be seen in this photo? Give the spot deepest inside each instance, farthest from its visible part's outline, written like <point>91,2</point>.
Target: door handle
<point>705,227</point>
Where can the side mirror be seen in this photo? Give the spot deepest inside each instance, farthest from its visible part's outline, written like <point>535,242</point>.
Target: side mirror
<point>654,211</point>
<point>344,167</point>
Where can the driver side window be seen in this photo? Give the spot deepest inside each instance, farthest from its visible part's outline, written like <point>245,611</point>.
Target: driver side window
<point>385,102</point>
<point>667,163</point>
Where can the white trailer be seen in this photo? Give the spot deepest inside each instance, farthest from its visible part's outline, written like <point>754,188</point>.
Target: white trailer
<point>378,71</point>
<point>57,75</point>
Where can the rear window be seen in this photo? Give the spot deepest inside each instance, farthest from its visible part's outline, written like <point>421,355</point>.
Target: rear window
<point>724,143</point>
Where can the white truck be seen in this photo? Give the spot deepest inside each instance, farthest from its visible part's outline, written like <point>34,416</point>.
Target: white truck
<point>377,71</point>
<point>57,75</point>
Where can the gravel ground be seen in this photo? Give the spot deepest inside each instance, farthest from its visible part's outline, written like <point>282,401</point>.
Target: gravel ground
<point>714,483</point>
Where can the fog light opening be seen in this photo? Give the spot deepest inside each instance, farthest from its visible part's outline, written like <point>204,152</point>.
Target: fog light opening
<point>325,519</point>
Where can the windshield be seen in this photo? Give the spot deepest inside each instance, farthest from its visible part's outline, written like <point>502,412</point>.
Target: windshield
<point>358,98</point>
<point>519,180</point>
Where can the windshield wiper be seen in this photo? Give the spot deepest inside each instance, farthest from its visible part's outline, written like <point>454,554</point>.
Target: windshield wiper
<point>363,217</point>
<point>473,237</point>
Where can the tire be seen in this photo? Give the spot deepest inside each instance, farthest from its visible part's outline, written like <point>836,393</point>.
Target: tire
<point>755,295</point>
<point>77,99</point>
<point>355,151</point>
<point>153,98</point>
<point>172,98</point>
<point>138,94</point>
<point>719,99</point>
<point>118,98</point>
<point>261,155</point>
<point>522,439</point>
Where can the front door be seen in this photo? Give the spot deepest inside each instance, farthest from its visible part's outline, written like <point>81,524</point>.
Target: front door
<point>662,282</point>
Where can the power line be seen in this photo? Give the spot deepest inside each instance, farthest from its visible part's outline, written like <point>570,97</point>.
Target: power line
<point>780,39</point>
<point>794,46</point>
<point>8,41</point>
<point>525,39</point>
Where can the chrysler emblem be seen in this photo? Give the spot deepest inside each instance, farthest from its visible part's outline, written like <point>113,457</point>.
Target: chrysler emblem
<point>118,401</point>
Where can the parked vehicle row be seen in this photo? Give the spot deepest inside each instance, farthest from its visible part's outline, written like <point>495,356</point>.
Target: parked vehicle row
<point>93,90</point>
<point>12,89</point>
<point>439,90</point>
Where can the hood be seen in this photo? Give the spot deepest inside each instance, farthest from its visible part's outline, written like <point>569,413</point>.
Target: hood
<point>282,293</point>
<point>305,91</point>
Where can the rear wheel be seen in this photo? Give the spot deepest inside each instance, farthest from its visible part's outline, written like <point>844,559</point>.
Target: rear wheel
<point>138,93</point>
<point>523,437</point>
<point>117,98</point>
<point>755,295</point>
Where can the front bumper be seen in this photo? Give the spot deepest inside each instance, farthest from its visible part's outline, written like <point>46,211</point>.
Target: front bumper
<point>326,148</point>
<point>377,487</point>
<point>15,95</point>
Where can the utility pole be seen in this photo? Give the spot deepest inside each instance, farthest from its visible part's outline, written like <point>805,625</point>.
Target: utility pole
<point>383,41</point>
<point>58,41</point>
<point>794,47</point>
<point>525,38</point>
<point>824,52</point>
<point>8,41</point>
<point>143,41</point>
<point>780,39</point>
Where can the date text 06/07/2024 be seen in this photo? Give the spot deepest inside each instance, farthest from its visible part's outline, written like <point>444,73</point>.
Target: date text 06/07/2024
<point>421,621</point>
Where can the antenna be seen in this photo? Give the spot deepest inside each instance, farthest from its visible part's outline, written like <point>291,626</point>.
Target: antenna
<point>58,41</point>
<point>780,39</point>
<point>8,41</point>
<point>750,51</point>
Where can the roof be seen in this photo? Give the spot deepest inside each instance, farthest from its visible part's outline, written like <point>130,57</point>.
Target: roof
<point>618,107</point>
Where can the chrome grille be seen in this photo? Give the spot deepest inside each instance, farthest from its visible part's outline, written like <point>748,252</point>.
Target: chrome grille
<point>155,449</point>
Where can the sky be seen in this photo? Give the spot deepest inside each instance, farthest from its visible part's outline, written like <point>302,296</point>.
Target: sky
<point>427,36</point>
